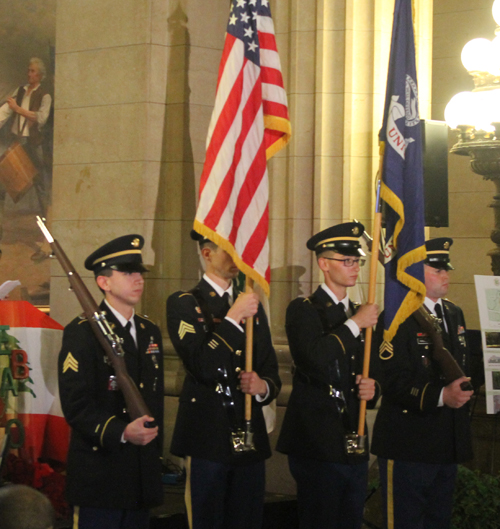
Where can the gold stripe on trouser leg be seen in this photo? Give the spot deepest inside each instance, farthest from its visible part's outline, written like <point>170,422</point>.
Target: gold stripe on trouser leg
<point>390,494</point>
<point>76,517</point>
<point>187,492</point>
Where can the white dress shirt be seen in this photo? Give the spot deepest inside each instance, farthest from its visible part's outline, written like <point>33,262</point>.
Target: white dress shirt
<point>124,321</point>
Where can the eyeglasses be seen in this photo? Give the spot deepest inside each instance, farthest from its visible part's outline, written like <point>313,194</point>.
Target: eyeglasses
<point>348,262</point>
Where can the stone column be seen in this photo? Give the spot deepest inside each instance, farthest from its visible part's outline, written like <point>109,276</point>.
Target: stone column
<point>335,57</point>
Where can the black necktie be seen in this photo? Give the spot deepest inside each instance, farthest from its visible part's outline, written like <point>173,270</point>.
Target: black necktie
<point>446,337</point>
<point>128,334</point>
<point>440,315</point>
<point>225,304</point>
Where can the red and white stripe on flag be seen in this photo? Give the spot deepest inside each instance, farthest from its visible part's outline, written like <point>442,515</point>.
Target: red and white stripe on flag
<point>249,125</point>
<point>46,431</point>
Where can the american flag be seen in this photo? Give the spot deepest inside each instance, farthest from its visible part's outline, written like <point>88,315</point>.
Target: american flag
<point>249,125</point>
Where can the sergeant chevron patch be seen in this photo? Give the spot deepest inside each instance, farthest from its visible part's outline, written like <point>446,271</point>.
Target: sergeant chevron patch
<point>386,350</point>
<point>213,344</point>
<point>185,328</point>
<point>70,363</point>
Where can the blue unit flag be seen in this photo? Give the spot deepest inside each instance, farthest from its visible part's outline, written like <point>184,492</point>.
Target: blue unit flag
<point>402,180</point>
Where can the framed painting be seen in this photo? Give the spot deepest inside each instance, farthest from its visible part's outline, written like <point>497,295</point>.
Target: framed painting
<point>27,57</point>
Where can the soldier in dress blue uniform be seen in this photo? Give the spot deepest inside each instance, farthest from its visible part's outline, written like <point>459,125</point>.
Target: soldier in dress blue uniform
<point>225,489</point>
<point>114,464</point>
<point>324,333</point>
<point>422,429</point>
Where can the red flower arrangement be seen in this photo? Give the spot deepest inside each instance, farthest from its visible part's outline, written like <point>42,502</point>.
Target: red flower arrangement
<point>41,476</point>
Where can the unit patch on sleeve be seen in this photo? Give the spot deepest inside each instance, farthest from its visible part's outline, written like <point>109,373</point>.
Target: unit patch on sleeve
<point>70,363</point>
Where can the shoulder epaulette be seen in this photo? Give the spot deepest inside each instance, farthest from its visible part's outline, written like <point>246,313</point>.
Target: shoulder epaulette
<point>185,294</point>
<point>448,300</point>
<point>147,318</point>
<point>307,299</point>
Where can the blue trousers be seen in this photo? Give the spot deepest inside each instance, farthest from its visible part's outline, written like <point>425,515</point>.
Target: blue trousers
<point>221,496</point>
<point>329,495</point>
<point>416,495</point>
<point>96,518</point>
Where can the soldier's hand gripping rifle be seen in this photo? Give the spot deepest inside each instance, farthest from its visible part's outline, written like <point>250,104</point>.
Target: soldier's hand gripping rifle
<point>110,342</point>
<point>448,365</point>
<point>430,324</point>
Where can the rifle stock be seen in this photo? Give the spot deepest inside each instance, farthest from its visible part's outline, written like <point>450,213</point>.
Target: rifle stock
<point>448,365</point>
<point>109,341</point>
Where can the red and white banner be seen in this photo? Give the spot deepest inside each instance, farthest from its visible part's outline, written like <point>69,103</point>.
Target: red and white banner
<point>30,342</point>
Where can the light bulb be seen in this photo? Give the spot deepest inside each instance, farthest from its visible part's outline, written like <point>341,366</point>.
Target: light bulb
<point>496,11</point>
<point>476,55</point>
<point>460,110</point>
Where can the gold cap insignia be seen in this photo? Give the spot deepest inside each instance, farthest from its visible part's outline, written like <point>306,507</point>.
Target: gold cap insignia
<point>355,230</point>
<point>446,245</point>
<point>136,242</point>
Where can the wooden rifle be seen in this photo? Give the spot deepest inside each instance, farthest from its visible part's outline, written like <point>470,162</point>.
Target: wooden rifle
<point>109,340</point>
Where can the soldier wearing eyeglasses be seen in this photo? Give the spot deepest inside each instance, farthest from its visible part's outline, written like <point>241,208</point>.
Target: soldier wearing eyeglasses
<point>324,334</point>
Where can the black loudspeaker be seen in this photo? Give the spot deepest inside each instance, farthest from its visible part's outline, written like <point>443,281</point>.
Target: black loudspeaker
<point>435,158</point>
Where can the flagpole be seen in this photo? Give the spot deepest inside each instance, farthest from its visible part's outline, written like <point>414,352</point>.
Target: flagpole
<point>372,284</point>
<point>248,349</point>
<point>248,367</point>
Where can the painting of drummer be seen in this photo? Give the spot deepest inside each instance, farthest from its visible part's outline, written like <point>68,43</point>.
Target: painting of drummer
<point>25,113</point>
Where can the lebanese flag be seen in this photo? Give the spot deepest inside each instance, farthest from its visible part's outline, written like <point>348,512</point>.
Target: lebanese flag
<point>46,431</point>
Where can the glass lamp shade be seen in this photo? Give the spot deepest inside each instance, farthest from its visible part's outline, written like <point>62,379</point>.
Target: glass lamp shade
<point>476,55</point>
<point>496,11</point>
<point>460,110</point>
